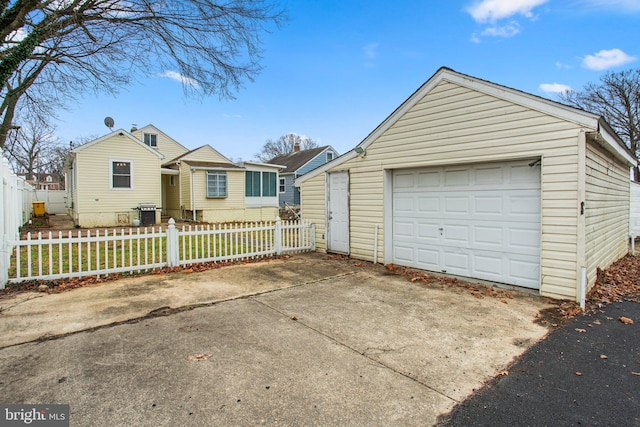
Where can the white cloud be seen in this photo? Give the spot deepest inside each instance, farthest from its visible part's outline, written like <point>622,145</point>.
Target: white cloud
<point>371,50</point>
<point>607,59</point>
<point>554,87</point>
<point>494,10</point>
<point>475,38</point>
<point>180,78</point>
<point>232,116</point>
<point>562,66</point>
<point>509,30</point>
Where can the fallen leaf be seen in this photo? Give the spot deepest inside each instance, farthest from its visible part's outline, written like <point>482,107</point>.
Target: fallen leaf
<point>579,374</point>
<point>635,373</point>
<point>626,320</point>
<point>581,330</point>
<point>502,373</point>
<point>504,301</point>
<point>603,356</point>
<point>199,356</point>
<point>596,322</point>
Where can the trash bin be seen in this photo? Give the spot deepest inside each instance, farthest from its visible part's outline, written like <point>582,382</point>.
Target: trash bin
<point>38,209</point>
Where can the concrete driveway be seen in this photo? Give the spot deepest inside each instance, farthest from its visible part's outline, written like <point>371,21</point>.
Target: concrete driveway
<point>304,341</point>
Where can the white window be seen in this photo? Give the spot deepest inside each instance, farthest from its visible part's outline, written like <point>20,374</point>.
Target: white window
<point>151,139</point>
<point>121,174</point>
<point>282,186</point>
<point>216,185</point>
<point>329,156</point>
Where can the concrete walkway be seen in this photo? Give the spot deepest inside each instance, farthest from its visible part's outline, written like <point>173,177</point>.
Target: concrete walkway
<point>304,341</point>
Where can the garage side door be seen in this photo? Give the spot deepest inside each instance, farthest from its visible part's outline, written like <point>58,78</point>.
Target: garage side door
<point>480,221</point>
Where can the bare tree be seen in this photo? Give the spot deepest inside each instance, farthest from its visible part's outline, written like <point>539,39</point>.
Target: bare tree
<point>35,148</point>
<point>284,145</point>
<point>616,98</point>
<point>55,49</point>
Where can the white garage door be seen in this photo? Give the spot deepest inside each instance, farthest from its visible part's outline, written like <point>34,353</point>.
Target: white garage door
<point>479,221</point>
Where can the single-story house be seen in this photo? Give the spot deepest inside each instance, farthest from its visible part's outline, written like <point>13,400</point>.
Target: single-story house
<point>296,164</point>
<point>471,178</point>
<point>113,179</point>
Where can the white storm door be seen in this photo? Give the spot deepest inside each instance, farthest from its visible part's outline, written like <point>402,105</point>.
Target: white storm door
<point>338,212</point>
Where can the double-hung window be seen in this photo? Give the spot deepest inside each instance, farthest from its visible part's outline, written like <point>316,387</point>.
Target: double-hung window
<point>120,174</point>
<point>151,139</point>
<point>216,184</point>
<point>269,184</point>
<point>282,185</point>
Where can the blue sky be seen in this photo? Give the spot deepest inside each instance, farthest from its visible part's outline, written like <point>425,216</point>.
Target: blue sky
<point>337,69</point>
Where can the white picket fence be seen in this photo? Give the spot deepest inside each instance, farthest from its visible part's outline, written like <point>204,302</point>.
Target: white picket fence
<point>97,253</point>
<point>15,209</point>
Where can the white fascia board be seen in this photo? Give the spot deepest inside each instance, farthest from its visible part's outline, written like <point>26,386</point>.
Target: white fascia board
<point>321,169</point>
<point>611,144</point>
<point>213,168</point>
<point>262,165</point>
<point>119,132</point>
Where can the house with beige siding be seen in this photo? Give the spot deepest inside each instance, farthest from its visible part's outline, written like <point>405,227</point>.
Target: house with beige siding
<point>474,179</point>
<point>144,175</point>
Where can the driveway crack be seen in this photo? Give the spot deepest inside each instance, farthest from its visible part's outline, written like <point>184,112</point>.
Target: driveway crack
<point>367,353</point>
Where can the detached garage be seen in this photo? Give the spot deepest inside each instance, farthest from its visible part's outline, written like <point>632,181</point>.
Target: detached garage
<point>475,179</point>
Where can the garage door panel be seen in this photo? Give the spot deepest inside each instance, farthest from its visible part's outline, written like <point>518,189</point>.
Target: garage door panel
<point>479,221</point>
<point>404,229</point>
<point>456,235</point>
<point>456,262</point>
<point>429,231</point>
<point>404,255</point>
<point>456,205</point>
<point>456,178</point>
<point>429,179</point>
<point>488,205</point>
<point>404,204</point>
<point>429,259</point>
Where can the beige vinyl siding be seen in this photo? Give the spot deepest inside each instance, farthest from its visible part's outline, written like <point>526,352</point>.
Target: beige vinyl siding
<point>226,209</point>
<point>312,206</point>
<point>99,204</point>
<point>205,154</point>
<point>167,146</point>
<point>452,124</point>
<point>171,196</point>
<point>260,214</point>
<point>606,210</point>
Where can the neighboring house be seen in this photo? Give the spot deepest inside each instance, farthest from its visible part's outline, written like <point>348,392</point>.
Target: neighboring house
<point>43,181</point>
<point>297,164</point>
<point>111,178</point>
<point>476,179</point>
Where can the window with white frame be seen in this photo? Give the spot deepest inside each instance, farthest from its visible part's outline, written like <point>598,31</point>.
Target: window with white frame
<point>151,139</point>
<point>330,155</point>
<point>120,174</point>
<point>282,188</point>
<point>216,184</point>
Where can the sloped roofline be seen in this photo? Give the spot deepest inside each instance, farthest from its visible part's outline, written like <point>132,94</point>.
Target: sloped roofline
<point>611,141</point>
<point>150,125</point>
<point>183,155</point>
<point>119,132</point>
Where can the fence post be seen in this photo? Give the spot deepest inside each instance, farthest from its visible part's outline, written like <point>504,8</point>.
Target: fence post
<point>173,255</point>
<point>277,238</point>
<point>312,232</point>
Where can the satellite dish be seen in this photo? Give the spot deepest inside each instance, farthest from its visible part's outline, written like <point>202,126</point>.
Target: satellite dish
<point>108,122</point>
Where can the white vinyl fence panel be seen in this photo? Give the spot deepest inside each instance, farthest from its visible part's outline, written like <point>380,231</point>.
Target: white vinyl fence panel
<point>96,253</point>
<point>54,200</point>
<point>15,210</point>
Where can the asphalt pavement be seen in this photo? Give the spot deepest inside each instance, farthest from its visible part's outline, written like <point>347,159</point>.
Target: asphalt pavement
<point>586,373</point>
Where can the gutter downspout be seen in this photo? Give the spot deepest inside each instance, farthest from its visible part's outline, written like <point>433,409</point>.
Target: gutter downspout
<point>193,199</point>
<point>180,188</point>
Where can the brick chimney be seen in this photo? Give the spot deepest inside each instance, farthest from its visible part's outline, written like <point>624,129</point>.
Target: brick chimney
<point>296,147</point>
